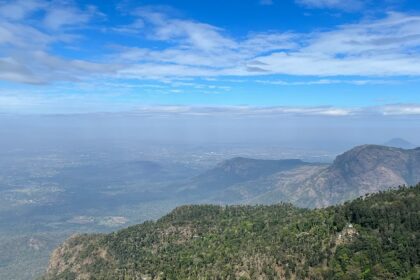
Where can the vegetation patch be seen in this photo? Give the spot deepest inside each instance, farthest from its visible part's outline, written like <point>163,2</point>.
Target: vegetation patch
<point>373,237</point>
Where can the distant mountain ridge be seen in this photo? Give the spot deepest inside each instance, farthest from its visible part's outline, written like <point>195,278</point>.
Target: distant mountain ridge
<point>399,143</point>
<point>246,168</point>
<point>235,171</point>
<point>363,169</point>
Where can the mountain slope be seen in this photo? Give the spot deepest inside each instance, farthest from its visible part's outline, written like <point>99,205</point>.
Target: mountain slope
<point>375,237</point>
<point>274,188</point>
<point>363,169</point>
<point>234,171</point>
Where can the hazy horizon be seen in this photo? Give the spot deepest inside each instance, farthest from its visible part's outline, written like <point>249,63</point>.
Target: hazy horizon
<point>114,112</point>
<point>223,127</point>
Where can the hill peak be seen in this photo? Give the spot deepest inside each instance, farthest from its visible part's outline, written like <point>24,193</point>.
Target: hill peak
<point>362,157</point>
<point>400,143</point>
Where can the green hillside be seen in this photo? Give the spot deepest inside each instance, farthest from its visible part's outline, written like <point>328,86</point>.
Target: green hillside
<point>373,237</point>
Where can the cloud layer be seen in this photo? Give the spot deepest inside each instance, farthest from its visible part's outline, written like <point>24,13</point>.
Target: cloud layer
<point>327,111</point>
<point>382,47</point>
<point>31,31</point>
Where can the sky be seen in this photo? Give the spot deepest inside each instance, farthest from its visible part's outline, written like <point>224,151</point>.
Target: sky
<point>256,57</point>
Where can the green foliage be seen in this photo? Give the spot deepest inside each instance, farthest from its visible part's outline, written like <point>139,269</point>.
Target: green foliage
<point>374,237</point>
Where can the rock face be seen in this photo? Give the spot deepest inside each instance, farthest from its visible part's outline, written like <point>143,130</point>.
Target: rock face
<point>363,169</point>
<point>65,259</point>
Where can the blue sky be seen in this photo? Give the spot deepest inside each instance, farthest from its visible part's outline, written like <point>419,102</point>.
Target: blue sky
<point>324,57</point>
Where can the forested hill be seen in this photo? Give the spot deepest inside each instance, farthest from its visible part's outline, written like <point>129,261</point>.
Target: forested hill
<point>373,237</point>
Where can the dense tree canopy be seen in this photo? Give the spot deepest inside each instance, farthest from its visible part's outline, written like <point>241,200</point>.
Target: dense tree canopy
<point>373,237</point>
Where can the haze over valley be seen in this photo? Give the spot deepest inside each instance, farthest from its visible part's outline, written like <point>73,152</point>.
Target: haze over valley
<point>72,179</point>
<point>258,139</point>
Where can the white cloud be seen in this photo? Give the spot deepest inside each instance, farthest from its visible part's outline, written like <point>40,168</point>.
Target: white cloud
<point>359,82</point>
<point>23,36</point>
<point>242,110</point>
<point>187,48</point>
<point>39,67</point>
<point>17,10</point>
<point>327,111</point>
<point>58,16</point>
<point>12,70</point>
<point>25,49</point>
<point>401,109</point>
<point>368,48</point>
<point>188,33</point>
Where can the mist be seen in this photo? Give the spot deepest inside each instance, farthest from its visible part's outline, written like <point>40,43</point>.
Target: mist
<point>110,129</point>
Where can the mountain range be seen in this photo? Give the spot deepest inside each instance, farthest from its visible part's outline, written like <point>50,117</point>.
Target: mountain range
<point>363,169</point>
<point>373,237</point>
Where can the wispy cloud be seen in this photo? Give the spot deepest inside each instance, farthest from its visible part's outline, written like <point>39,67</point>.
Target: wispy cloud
<point>348,5</point>
<point>20,9</point>
<point>368,48</point>
<point>243,111</point>
<point>64,100</point>
<point>59,16</point>
<point>359,82</point>
<point>26,37</point>
<point>401,109</point>
<point>185,48</point>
